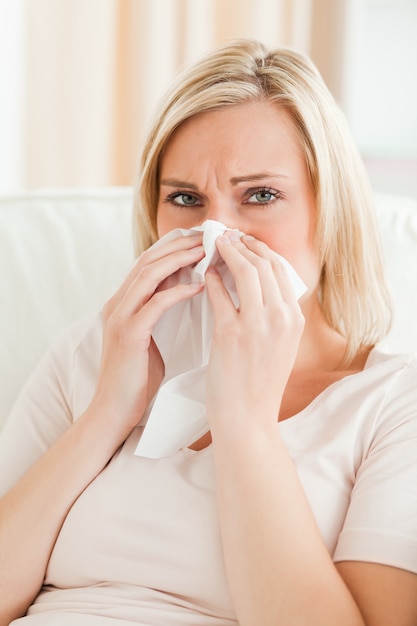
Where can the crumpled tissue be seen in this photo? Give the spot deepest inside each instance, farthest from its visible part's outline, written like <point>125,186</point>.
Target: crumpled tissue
<point>176,417</point>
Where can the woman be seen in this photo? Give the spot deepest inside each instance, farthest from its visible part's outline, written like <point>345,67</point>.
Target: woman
<point>298,506</point>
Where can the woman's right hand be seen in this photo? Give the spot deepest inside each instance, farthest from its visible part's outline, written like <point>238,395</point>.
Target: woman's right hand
<point>131,367</point>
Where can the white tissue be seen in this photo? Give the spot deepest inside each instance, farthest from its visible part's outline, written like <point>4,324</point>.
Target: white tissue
<point>176,417</point>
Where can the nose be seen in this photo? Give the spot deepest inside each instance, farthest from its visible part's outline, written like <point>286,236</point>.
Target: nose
<point>228,216</point>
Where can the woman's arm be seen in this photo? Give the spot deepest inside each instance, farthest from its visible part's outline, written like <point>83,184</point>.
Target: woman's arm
<point>32,512</point>
<point>386,595</point>
<point>279,569</point>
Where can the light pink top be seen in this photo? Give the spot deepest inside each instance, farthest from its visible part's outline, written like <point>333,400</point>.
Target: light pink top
<point>141,545</point>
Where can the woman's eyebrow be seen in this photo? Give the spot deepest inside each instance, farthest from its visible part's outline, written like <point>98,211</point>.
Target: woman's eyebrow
<point>172,182</point>
<point>235,180</point>
<point>253,177</point>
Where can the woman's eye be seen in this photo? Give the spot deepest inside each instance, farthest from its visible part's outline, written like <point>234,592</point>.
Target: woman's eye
<point>183,199</point>
<point>262,196</point>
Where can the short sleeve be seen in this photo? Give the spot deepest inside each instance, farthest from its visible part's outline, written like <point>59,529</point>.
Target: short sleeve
<point>381,522</point>
<point>44,408</point>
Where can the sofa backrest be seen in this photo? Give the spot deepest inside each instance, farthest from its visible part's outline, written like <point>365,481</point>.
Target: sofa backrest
<point>64,252</point>
<point>397,220</point>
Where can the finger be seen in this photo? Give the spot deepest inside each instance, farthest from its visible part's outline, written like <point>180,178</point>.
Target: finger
<point>160,302</point>
<point>146,283</point>
<point>275,282</point>
<point>162,247</point>
<point>278,266</point>
<point>143,280</point>
<point>223,306</point>
<point>156,252</point>
<point>245,273</point>
<point>268,266</point>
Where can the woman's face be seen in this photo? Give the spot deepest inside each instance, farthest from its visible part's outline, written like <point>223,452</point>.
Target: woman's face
<point>243,166</point>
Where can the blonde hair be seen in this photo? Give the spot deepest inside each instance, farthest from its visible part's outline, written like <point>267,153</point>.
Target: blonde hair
<point>353,293</point>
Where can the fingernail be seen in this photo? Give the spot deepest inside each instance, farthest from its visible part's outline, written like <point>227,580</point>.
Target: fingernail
<point>233,235</point>
<point>224,239</point>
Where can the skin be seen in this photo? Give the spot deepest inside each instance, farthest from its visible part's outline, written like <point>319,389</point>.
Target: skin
<point>243,166</point>
<point>253,177</point>
<point>261,544</point>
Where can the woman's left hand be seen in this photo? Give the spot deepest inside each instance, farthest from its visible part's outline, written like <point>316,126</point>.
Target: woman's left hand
<point>253,347</point>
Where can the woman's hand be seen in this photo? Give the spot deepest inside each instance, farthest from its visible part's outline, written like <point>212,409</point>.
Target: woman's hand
<point>33,511</point>
<point>253,348</point>
<point>132,368</point>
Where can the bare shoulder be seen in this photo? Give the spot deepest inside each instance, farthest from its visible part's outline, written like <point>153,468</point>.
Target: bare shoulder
<point>385,595</point>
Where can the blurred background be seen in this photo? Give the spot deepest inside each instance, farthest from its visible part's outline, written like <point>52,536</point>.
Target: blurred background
<point>79,79</point>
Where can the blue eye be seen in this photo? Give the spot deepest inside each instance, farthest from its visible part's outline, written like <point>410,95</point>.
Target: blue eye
<point>183,199</point>
<point>263,196</point>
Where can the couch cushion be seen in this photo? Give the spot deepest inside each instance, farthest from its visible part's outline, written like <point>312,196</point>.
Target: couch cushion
<point>397,218</point>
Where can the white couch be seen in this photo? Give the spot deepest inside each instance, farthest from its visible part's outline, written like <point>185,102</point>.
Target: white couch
<point>63,252</point>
